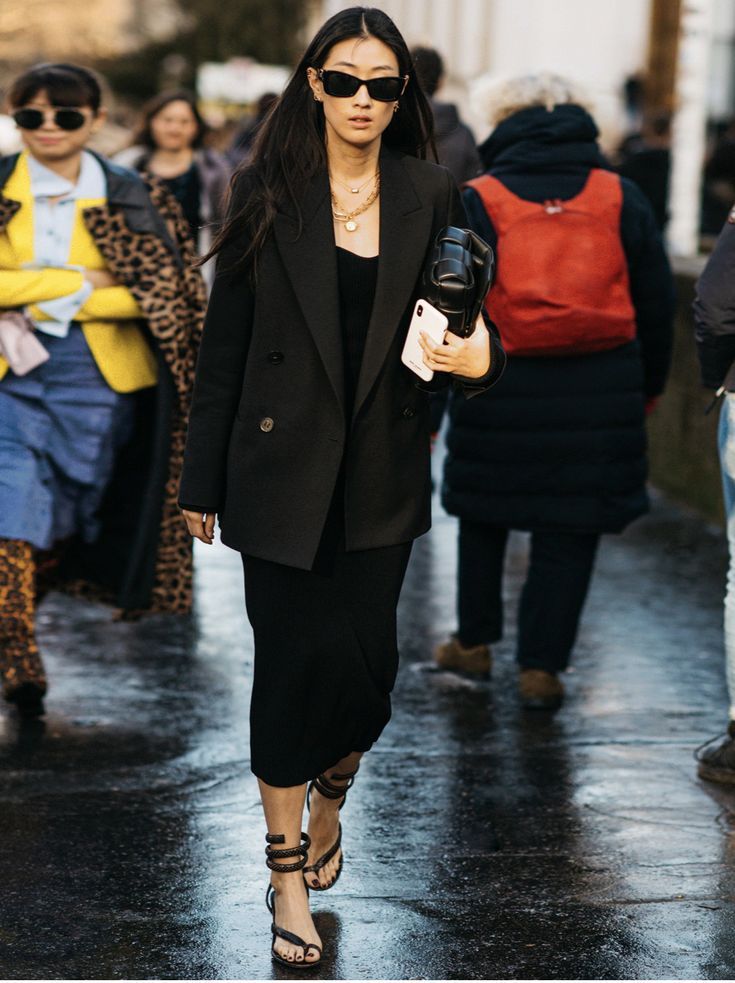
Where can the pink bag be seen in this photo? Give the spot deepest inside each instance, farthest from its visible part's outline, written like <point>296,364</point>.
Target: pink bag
<point>19,345</point>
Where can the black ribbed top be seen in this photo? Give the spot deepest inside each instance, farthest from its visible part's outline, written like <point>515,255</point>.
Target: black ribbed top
<point>357,278</point>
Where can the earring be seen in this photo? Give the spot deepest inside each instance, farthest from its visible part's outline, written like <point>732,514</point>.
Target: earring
<point>396,107</point>
<point>316,98</point>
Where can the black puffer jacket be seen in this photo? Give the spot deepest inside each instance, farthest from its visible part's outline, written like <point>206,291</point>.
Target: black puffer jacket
<point>560,442</point>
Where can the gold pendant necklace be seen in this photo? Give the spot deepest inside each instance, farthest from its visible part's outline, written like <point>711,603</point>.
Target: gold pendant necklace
<point>355,191</point>
<point>340,214</point>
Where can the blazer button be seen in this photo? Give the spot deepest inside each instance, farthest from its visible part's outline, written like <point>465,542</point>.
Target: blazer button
<point>275,358</point>
<point>266,424</point>
<point>408,412</point>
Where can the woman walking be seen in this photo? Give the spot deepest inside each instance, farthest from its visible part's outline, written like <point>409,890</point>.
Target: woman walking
<point>170,146</point>
<point>310,439</point>
<point>100,316</point>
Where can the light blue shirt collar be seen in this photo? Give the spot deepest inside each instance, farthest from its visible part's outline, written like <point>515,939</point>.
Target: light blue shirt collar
<point>45,183</point>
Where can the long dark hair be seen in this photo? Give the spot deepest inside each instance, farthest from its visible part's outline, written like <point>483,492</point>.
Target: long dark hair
<point>290,147</point>
<point>144,136</point>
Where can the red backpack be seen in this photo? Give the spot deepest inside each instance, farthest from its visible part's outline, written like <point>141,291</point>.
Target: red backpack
<point>562,283</point>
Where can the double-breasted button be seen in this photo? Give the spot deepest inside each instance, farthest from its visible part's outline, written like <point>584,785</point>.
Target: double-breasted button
<point>275,358</point>
<point>267,424</point>
<point>408,412</point>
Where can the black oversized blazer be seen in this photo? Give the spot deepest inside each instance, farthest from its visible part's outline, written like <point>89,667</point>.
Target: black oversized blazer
<point>268,429</point>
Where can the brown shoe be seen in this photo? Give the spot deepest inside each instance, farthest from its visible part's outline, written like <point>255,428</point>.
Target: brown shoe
<point>539,690</point>
<point>476,659</point>
<point>717,764</point>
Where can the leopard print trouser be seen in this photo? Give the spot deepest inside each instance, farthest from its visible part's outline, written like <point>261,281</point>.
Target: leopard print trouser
<point>20,660</point>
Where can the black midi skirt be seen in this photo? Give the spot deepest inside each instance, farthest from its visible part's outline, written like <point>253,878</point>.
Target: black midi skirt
<point>326,658</point>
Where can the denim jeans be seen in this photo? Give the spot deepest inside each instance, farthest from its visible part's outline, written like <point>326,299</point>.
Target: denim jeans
<point>727,463</point>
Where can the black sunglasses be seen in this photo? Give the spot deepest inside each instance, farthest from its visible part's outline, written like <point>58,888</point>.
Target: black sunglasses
<point>65,119</point>
<point>342,86</point>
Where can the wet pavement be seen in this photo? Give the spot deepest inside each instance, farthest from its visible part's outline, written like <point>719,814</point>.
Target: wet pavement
<point>481,842</point>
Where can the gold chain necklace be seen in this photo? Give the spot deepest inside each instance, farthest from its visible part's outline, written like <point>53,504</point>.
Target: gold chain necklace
<point>355,191</point>
<point>348,218</point>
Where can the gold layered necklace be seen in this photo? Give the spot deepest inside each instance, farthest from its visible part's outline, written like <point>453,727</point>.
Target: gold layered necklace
<point>346,216</point>
<point>349,187</point>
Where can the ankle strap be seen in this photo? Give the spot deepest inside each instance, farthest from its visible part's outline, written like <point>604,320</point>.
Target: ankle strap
<point>326,787</point>
<point>272,855</point>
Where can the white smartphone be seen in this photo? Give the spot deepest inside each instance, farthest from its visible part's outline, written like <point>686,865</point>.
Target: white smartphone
<point>434,323</point>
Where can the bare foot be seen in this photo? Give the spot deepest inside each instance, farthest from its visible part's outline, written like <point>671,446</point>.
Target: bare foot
<point>292,914</point>
<point>323,830</point>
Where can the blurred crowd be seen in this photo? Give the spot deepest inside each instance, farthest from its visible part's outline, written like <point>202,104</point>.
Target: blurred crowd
<point>169,137</point>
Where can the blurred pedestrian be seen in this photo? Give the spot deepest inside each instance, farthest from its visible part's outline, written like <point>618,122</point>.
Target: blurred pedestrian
<point>455,143</point>
<point>243,143</point>
<point>170,146</point>
<point>647,162</point>
<point>100,312</point>
<point>309,438</point>
<point>718,182</point>
<point>583,301</point>
<point>714,315</point>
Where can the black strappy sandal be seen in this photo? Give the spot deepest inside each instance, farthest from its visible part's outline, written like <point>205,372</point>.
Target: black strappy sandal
<point>329,790</point>
<point>273,857</point>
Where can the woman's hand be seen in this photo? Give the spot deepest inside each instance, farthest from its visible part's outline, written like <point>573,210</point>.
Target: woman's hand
<point>200,525</point>
<point>469,357</point>
<point>100,278</point>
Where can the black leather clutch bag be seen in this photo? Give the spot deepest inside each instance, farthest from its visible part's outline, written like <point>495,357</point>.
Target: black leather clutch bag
<point>457,277</point>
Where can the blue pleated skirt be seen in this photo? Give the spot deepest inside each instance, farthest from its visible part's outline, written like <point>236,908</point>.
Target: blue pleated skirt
<point>61,427</point>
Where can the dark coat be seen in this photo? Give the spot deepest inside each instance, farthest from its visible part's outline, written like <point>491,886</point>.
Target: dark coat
<point>212,170</point>
<point>650,169</point>
<point>268,429</point>
<point>142,558</point>
<point>455,144</point>
<point>714,310</point>
<point>562,442</point>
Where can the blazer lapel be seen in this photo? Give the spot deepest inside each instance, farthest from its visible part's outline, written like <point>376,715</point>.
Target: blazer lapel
<point>405,228</point>
<point>311,264</point>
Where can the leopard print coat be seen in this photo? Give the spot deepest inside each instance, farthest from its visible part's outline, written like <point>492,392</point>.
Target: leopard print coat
<point>157,266</point>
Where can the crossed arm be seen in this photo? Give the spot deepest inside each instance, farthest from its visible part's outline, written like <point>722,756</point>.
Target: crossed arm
<point>27,288</point>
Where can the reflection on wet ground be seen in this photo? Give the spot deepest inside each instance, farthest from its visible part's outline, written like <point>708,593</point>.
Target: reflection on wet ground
<point>481,842</point>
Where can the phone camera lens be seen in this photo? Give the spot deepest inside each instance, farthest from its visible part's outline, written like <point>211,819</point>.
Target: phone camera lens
<point>419,310</point>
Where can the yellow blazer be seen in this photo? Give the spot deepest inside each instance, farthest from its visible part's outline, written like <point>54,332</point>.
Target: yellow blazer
<point>108,317</point>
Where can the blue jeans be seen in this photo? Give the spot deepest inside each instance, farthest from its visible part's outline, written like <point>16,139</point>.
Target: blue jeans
<point>727,463</point>
<point>61,427</point>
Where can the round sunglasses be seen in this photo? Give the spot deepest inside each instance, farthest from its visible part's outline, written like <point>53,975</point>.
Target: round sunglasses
<point>65,119</point>
<point>388,88</point>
